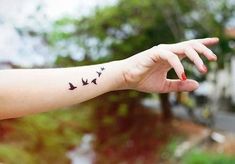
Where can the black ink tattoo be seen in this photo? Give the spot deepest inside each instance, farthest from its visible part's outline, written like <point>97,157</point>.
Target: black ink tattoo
<point>94,81</point>
<point>85,82</point>
<point>99,73</point>
<point>71,86</point>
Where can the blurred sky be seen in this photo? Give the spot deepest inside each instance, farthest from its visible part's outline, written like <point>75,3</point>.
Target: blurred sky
<point>17,11</point>
<point>38,15</point>
<point>15,14</point>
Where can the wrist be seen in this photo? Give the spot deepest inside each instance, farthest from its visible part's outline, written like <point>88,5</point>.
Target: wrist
<point>117,75</point>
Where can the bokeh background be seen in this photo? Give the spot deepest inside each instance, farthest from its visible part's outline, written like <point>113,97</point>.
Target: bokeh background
<point>125,126</point>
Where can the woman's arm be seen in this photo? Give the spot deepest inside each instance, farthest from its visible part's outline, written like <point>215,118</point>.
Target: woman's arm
<point>27,91</point>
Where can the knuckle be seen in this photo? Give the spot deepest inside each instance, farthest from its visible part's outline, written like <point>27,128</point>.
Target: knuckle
<point>157,48</point>
<point>174,57</point>
<point>154,48</point>
<point>193,42</point>
<point>169,85</point>
<point>161,45</point>
<point>187,48</point>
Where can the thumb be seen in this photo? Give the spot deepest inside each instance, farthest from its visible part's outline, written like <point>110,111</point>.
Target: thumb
<point>180,86</point>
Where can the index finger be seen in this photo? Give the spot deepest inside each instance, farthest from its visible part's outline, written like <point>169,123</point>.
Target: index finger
<point>209,41</point>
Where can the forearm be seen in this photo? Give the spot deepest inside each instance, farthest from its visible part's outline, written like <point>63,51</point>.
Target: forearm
<point>38,90</point>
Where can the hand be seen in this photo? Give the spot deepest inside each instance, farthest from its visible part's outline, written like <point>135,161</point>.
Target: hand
<point>147,71</point>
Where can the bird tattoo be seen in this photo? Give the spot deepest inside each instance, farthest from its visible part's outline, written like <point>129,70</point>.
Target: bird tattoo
<point>99,73</point>
<point>102,68</point>
<point>71,86</point>
<point>85,82</point>
<point>94,81</point>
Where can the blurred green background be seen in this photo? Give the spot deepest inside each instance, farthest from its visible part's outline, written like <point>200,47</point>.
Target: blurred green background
<point>124,126</point>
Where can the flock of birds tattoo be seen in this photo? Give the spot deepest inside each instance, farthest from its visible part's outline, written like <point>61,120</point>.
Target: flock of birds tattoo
<point>85,81</point>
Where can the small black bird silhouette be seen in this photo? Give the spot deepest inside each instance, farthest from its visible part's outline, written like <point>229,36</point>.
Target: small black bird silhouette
<point>94,81</point>
<point>85,82</point>
<point>102,68</point>
<point>99,73</point>
<point>71,86</point>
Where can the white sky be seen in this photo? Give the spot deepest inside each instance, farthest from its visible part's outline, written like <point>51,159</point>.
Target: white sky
<point>16,13</point>
<point>15,10</point>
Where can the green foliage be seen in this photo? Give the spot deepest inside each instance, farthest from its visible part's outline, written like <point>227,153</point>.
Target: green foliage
<point>46,138</point>
<point>169,149</point>
<point>123,110</point>
<point>66,61</point>
<point>212,19</point>
<point>60,30</point>
<point>132,26</point>
<point>202,157</point>
<point>15,155</point>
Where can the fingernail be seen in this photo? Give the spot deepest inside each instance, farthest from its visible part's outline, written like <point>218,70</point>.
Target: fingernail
<point>204,68</point>
<point>215,57</point>
<point>216,38</point>
<point>183,77</point>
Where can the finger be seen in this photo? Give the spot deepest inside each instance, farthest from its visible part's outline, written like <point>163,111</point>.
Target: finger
<point>195,58</point>
<point>200,48</point>
<point>179,49</point>
<point>174,61</point>
<point>180,86</point>
<point>209,41</point>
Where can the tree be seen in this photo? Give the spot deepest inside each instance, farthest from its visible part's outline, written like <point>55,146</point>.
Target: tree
<point>128,27</point>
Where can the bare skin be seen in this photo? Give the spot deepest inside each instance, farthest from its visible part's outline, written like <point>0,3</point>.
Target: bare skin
<point>28,91</point>
<point>147,70</point>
